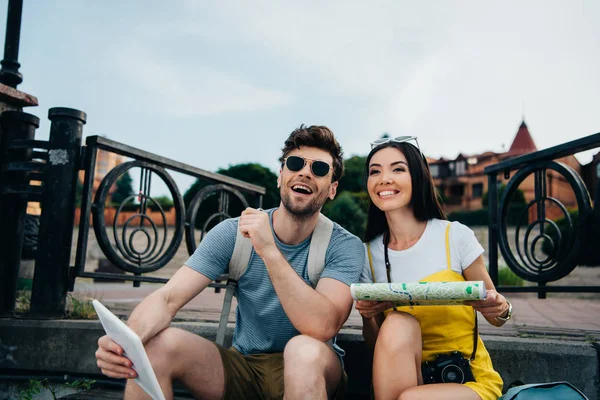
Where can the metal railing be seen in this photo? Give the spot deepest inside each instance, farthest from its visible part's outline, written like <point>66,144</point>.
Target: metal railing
<point>563,246</point>
<point>57,164</point>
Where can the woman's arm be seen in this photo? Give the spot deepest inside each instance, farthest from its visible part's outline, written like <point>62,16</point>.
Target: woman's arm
<point>372,315</point>
<point>495,305</point>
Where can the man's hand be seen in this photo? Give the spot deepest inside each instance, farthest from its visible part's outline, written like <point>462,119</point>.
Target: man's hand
<point>493,306</point>
<point>111,361</point>
<point>369,309</point>
<point>254,224</point>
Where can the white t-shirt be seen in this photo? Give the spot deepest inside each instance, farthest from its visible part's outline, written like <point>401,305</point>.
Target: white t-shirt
<point>425,257</point>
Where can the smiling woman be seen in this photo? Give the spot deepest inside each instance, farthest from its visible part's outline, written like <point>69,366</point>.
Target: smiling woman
<point>409,240</point>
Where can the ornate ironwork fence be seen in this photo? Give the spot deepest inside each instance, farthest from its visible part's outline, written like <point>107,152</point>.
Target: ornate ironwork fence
<point>56,164</point>
<point>543,251</point>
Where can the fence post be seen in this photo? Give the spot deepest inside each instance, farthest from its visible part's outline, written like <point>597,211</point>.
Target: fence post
<point>14,183</point>
<point>50,279</point>
<point>493,227</point>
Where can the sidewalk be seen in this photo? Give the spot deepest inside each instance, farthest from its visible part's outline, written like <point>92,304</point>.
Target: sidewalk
<point>557,317</point>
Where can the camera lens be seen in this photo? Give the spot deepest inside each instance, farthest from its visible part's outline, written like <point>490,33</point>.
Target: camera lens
<point>452,374</point>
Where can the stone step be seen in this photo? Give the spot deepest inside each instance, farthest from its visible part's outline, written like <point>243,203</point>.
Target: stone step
<point>107,394</point>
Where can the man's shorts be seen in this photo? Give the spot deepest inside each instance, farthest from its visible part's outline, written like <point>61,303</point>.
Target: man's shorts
<point>258,376</point>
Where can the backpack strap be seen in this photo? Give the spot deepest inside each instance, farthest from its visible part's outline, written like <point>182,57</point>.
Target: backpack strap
<point>237,266</point>
<point>318,247</point>
<point>240,256</point>
<point>316,253</point>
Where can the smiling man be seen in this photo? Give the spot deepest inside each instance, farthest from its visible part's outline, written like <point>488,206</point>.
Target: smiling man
<point>284,339</point>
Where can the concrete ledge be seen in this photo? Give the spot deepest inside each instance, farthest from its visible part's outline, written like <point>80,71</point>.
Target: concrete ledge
<point>66,346</point>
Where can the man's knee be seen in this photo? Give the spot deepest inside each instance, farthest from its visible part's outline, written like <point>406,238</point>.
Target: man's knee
<point>164,343</point>
<point>166,347</point>
<point>305,351</point>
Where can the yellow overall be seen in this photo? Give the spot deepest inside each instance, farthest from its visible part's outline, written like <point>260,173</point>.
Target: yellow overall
<point>449,328</point>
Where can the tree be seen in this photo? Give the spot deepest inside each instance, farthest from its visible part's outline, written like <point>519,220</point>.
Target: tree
<point>250,173</point>
<point>353,179</point>
<point>257,175</point>
<point>124,189</point>
<point>346,210</point>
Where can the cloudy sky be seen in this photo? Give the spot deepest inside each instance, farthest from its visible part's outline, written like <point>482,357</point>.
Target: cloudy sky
<point>224,82</point>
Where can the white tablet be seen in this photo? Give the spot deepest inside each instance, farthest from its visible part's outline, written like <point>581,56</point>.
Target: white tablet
<point>133,350</point>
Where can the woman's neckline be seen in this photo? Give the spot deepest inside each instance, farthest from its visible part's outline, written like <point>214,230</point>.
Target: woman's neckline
<point>415,245</point>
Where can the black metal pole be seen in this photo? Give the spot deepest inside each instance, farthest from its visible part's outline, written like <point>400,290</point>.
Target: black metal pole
<point>50,279</point>
<point>14,180</point>
<point>9,74</point>
<point>493,227</point>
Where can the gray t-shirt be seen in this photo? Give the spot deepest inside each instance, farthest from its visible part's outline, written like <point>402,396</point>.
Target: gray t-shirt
<point>261,323</point>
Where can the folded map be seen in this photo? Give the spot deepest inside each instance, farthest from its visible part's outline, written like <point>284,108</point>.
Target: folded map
<point>420,293</point>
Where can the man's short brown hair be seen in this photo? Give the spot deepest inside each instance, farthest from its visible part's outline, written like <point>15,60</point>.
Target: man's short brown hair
<point>320,137</point>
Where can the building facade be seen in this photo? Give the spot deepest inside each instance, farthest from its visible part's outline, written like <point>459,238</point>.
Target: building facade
<point>462,183</point>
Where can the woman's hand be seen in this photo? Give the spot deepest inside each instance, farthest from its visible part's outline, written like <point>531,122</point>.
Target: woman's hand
<point>493,306</point>
<point>369,309</point>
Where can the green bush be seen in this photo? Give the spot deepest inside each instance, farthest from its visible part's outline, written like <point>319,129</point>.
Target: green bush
<point>481,217</point>
<point>164,201</point>
<point>506,277</point>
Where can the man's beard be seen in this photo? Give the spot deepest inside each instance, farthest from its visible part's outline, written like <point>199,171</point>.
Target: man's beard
<point>306,211</point>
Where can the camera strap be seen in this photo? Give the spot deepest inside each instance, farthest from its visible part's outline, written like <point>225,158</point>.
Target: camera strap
<point>386,242</point>
<point>475,334</point>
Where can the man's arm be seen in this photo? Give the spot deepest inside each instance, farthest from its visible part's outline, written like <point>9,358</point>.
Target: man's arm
<point>320,312</point>
<point>157,310</point>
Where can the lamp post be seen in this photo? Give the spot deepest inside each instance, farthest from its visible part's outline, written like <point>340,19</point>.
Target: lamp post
<point>9,74</point>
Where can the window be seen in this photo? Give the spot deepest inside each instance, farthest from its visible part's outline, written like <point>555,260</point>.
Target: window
<point>457,190</point>
<point>477,190</point>
<point>434,170</point>
<point>460,168</point>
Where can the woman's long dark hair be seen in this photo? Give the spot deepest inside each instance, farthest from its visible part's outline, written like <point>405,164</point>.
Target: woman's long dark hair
<point>424,200</point>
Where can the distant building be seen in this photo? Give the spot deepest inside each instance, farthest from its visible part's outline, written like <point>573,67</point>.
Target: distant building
<point>462,183</point>
<point>105,162</point>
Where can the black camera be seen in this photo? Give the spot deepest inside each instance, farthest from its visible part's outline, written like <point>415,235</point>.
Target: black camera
<point>448,368</point>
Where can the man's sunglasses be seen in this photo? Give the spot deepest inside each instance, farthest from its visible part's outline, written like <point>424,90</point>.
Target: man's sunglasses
<point>296,163</point>
<point>399,139</point>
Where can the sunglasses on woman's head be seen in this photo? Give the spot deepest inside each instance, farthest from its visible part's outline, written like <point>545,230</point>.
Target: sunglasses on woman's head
<point>399,139</point>
<point>296,163</point>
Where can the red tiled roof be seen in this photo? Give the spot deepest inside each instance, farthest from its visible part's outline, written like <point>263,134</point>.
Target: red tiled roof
<point>523,142</point>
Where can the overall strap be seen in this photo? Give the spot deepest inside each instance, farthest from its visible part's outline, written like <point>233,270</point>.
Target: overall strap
<point>371,261</point>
